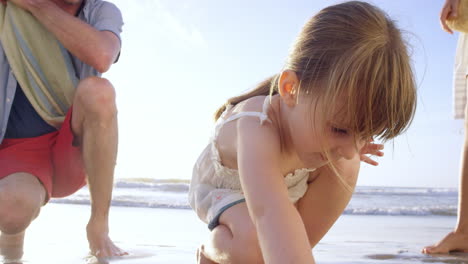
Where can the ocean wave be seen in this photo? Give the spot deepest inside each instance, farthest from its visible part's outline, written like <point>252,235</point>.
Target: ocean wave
<point>167,185</point>
<point>182,185</point>
<point>405,211</point>
<point>172,193</point>
<point>127,203</point>
<point>360,190</point>
<point>183,204</point>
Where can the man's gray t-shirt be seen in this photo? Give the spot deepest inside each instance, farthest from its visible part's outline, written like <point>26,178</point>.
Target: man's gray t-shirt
<point>22,121</point>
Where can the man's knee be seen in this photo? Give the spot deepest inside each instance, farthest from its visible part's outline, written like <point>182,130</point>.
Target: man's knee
<point>17,210</point>
<point>96,96</point>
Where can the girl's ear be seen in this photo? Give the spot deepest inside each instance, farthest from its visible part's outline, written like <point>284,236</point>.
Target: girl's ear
<point>287,87</point>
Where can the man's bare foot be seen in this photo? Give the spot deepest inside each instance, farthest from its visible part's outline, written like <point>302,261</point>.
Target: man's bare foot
<point>453,241</point>
<point>11,247</point>
<point>201,258</point>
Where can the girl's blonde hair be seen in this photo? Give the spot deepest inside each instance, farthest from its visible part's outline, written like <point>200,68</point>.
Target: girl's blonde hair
<point>353,52</point>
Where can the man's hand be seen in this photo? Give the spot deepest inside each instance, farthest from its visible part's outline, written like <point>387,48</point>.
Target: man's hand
<point>99,242</point>
<point>98,49</point>
<point>370,148</point>
<point>449,10</point>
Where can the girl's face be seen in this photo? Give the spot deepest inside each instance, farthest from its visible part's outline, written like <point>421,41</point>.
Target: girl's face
<point>317,129</point>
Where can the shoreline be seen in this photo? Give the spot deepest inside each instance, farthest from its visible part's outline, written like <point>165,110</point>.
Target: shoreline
<point>154,235</point>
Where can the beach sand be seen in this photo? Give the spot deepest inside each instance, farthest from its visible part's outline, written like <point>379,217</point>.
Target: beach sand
<point>172,236</point>
<point>149,235</point>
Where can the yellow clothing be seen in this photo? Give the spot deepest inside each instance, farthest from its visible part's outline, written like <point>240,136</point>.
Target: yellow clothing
<point>39,62</point>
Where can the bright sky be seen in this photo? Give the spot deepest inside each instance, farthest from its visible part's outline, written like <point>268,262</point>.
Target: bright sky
<point>182,59</point>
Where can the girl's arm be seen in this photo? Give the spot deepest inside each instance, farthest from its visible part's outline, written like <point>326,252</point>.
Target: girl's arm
<point>326,198</point>
<point>281,232</point>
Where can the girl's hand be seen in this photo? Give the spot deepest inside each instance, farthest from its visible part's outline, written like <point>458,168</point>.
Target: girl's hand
<point>370,148</point>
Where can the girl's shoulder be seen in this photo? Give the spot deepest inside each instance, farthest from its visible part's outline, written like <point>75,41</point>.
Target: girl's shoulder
<point>255,107</point>
<point>254,116</point>
<point>252,104</point>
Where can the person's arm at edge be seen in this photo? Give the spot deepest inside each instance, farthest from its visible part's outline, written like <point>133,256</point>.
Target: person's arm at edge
<point>281,232</point>
<point>450,9</point>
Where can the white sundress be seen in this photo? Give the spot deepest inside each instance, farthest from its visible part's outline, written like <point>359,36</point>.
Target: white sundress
<point>459,76</point>
<point>215,188</point>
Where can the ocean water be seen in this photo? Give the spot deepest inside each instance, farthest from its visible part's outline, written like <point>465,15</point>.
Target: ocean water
<point>387,225</point>
<point>154,193</point>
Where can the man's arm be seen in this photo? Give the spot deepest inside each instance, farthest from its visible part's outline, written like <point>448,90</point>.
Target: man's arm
<point>98,49</point>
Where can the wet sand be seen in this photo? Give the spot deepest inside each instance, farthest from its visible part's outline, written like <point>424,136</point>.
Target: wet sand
<point>172,236</point>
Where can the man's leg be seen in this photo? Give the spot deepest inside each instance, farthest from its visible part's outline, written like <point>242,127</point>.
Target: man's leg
<point>21,198</point>
<point>94,123</point>
<point>457,240</point>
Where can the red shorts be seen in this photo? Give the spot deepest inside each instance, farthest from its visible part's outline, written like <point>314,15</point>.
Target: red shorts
<point>52,158</point>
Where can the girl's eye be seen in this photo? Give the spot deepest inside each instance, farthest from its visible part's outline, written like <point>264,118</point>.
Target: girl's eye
<point>339,131</point>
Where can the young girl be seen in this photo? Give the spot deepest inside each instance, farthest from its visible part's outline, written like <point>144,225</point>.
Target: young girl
<point>285,156</point>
